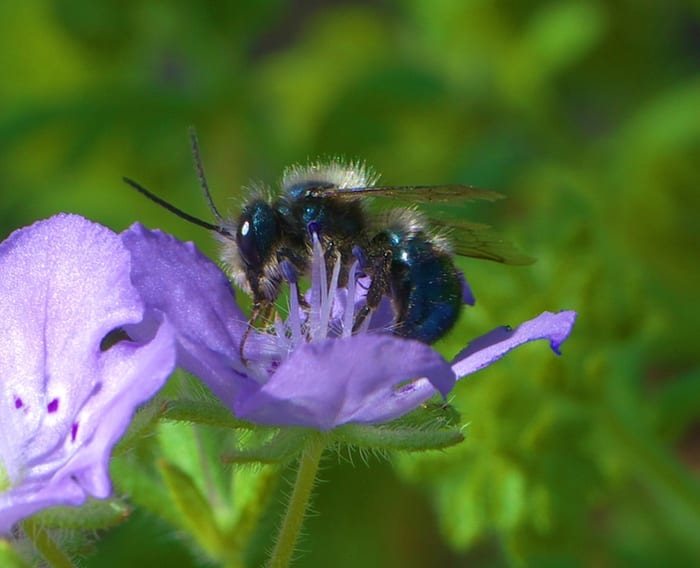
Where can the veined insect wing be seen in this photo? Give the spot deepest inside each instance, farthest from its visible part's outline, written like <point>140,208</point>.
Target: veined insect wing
<point>416,193</point>
<point>477,240</point>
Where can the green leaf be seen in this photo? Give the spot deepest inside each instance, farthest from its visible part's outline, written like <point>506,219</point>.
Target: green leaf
<point>196,515</point>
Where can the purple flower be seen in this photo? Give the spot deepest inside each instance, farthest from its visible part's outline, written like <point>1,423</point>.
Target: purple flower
<point>311,371</point>
<point>78,353</point>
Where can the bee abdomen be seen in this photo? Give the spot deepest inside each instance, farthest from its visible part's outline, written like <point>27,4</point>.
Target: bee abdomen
<point>426,289</point>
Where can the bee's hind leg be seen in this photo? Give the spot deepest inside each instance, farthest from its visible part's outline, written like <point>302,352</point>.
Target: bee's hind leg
<point>378,288</point>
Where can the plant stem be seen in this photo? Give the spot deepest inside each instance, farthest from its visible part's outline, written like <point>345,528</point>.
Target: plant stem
<point>298,502</point>
<point>46,546</point>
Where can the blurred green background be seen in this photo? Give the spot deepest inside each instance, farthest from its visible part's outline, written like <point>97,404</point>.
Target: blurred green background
<point>586,114</point>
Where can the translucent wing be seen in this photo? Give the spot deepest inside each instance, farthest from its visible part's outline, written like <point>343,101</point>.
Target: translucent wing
<point>477,240</point>
<point>413,193</point>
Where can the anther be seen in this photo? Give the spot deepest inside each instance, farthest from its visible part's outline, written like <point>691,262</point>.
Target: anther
<point>314,228</point>
<point>289,273</point>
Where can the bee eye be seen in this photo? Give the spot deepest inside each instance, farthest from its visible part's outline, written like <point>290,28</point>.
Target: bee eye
<point>245,239</point>
<point>257,234</point>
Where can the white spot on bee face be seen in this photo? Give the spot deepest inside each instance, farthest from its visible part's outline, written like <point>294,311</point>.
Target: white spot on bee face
<point>245,228</point>
<point>404,256</point>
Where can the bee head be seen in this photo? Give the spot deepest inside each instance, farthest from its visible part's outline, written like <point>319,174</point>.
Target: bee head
<point>251,254</point>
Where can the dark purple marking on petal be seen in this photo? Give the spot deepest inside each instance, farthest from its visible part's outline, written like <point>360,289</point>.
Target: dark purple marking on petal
<point>18,402</point>
<point>52,406</point>
<point>73,431</point>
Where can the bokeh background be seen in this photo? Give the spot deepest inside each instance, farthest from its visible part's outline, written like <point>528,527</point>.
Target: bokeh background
<point>585,113</point>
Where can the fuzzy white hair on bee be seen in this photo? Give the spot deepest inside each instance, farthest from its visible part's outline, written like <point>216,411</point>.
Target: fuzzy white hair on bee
<point>335,172</point>
<point>412,222</point>
<point>268,279</point>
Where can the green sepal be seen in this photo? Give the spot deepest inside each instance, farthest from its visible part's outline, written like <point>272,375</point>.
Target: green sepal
<point>203,411</point>
<point>435,414</point>
<point>93,515</point>
<point>196,516</point>
<point>432,426</point>
<point>387,437</point>
<point>142,426</point>
<point>9,558</point>
<point>281,448</point>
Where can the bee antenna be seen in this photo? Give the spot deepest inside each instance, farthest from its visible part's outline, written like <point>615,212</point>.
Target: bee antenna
<point>179,212</point>
<point>194,143</point>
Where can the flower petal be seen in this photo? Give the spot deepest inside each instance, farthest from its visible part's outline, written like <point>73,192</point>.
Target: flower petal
<point>355,379</point>
<point>488,348</point>
<point>132,375</point>
<point>65,396</point>
<point>196,297</point>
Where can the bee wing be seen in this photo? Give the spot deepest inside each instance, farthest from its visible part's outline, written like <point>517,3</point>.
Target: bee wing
<point>477,240</point>
<point>413,193</point>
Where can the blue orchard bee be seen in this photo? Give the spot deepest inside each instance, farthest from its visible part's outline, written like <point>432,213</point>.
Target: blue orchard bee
<point>408,257</point>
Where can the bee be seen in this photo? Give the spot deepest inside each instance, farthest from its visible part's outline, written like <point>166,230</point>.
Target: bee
<point>408,257</point>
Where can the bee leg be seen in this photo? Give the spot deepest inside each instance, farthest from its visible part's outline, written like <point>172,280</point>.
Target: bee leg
<point>253,316</point>
<point>268,314</point>
<point>379,287</point>
<point>302,300</point>
<point>261,312</point>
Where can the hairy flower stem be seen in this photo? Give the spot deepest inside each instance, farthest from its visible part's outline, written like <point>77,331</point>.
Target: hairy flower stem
<point>47,547</point>
<point>298,502</point>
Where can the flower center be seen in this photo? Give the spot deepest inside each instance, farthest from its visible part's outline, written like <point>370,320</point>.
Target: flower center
<point>328,310</point>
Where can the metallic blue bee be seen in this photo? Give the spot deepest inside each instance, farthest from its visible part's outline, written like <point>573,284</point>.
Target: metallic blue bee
<point>405,254</point>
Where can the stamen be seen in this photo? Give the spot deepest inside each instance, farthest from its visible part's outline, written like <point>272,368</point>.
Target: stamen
<point>327,303</point>
<point>318,286</point>
<point>349,315</point>
<point>289,273</point>
<point>360,255</point>
<point>314,228</point>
